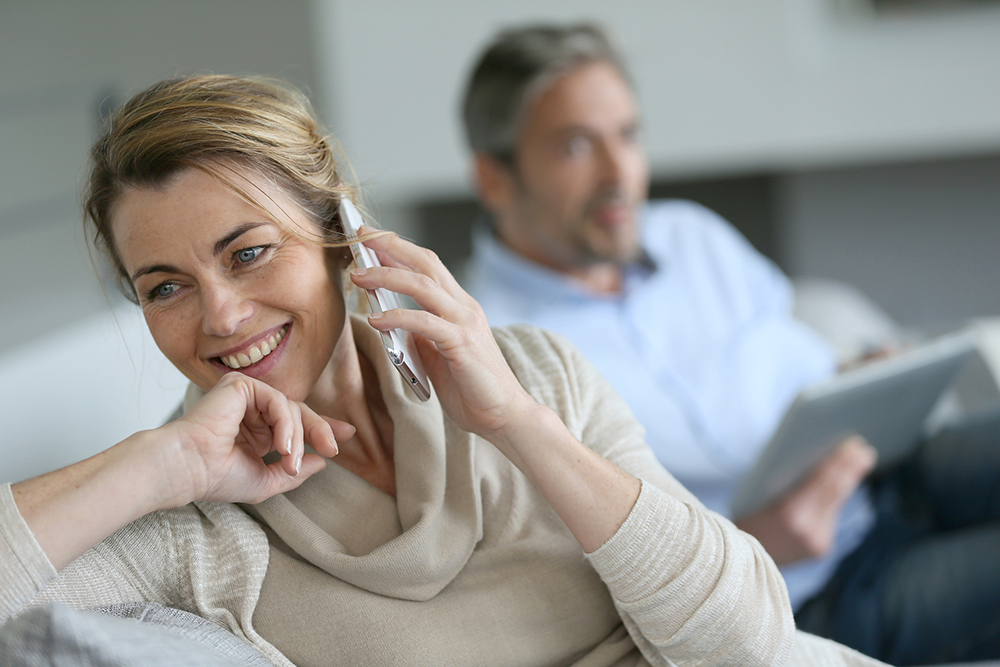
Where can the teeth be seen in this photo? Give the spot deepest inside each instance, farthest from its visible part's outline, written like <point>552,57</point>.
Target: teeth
<point>254,354</point>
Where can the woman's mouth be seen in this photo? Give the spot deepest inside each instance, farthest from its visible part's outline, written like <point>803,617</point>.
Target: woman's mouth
<point>255,352</point>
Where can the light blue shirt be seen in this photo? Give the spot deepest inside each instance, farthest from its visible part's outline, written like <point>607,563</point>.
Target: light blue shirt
<point>701,345</point>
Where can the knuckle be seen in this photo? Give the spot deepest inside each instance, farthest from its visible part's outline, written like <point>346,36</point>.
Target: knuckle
<point>426,283</point>
<point>432,256</point>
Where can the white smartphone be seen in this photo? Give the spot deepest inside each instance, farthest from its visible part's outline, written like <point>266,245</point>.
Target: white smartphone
<point>398,343</point>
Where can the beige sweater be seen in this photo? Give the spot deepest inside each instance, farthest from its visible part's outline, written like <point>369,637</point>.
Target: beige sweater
<point>467,565</point>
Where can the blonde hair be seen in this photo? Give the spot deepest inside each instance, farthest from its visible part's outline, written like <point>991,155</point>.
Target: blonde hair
<point>211,122</point>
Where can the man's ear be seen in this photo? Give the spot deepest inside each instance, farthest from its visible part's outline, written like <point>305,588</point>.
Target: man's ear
<point>494,182</point>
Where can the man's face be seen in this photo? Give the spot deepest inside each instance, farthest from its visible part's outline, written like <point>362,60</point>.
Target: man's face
<point>580,174</point>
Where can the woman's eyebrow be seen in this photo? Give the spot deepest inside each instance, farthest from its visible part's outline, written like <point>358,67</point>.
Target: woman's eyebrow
<point>240,230</point>
<point>220,247</point>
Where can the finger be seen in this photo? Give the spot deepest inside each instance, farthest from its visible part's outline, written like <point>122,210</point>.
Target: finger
<point>293,462</point>
<point>277,480</point>
<point>444,334</point>
<point>424,291</point>
<point>855,456</point>
<point>396,252</point>
<point>274,408</point>
<point>841,473</point>
<point>342,431</point>
<point>319,432</point>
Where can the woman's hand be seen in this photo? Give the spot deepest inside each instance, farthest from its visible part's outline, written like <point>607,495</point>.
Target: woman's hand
<point>225,436</point>
<point>478,391</point>
<point>212,453</point>
<point>472,379</point>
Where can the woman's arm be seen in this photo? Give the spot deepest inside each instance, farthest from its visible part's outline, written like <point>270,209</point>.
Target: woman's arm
<point>213,453</point>
<point>674,569</point>
<point>478,390</point>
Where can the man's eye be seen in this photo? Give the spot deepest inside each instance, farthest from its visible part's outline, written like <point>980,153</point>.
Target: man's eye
<point>249,254</point>
<point>578,146</point>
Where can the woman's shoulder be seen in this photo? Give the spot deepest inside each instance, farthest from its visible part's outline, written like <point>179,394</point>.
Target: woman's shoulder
<point>553,371</point>
<point>536,354</point>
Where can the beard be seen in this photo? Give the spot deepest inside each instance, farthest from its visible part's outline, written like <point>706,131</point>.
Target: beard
<point>607,231</point>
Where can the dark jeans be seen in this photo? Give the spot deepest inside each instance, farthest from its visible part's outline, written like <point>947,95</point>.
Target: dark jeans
<point>924,586</point>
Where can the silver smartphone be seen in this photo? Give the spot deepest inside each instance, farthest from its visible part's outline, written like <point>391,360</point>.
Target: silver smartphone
<point>398,343</point>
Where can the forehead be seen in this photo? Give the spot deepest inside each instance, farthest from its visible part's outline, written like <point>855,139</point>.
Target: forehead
<point>591,95</point>
<point>193,208</point>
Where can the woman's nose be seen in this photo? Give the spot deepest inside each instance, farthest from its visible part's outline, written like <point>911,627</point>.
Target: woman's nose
<point>225,309</point>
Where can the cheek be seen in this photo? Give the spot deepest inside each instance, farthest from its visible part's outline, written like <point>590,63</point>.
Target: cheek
<point>172,333</point>
<point>640,173</point>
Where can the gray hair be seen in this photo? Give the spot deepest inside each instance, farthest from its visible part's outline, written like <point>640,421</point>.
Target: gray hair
<point>516,67</point>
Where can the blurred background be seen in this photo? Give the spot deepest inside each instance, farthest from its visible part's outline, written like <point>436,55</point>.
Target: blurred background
<point>856,140</point>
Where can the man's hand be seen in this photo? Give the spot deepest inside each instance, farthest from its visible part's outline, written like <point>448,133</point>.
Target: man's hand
<point>803,523</point>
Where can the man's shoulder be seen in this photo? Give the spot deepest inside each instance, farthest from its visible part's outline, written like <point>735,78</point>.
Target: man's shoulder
<point>665,218</point>
<point>679,227</point>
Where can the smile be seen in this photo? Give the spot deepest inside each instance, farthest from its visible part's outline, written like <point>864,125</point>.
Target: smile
<point>255,353</point>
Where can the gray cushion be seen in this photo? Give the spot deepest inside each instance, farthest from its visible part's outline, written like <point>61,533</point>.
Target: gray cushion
<point>137,634</point>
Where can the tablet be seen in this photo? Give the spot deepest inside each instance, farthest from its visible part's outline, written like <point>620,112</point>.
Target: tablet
<point>887,402</point>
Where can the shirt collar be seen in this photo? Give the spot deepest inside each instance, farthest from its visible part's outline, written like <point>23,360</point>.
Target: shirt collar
<point>501,263</point>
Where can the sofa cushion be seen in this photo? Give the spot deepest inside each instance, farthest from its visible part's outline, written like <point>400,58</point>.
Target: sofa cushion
<point>135,634</point>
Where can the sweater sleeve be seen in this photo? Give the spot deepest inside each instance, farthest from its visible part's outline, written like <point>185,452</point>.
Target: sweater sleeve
<point>24,567</point>
<point>692,589</point>
<point>150,560</point>
<point>132,565</point>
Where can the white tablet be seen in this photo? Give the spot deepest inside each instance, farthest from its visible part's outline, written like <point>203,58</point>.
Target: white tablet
<point>887,402</point>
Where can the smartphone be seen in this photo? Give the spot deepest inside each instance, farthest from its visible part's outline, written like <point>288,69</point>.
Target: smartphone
<point>398,343</point>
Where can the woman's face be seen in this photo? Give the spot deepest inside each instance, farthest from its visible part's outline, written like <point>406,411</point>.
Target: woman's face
<point>222,286</point>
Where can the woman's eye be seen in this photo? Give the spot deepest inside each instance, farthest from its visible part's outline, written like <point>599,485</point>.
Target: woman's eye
<point>164,290</point>
<point>249,254</point>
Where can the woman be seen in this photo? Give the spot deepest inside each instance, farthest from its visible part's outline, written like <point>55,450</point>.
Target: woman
<point>503,521</point>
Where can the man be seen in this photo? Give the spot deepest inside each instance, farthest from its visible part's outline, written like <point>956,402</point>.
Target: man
<point>693,328</point>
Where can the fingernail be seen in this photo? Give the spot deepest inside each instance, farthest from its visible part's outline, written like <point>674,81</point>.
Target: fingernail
<point>288,446</point>
<point>375,316</point>
<point>298,465</point>
<point>359,270</point>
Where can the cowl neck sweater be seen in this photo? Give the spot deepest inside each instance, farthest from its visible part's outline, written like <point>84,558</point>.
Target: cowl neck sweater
<point>674,585</point>
<point>408,547</point>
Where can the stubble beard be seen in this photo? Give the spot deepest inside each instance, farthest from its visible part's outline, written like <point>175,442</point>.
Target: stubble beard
<point>596,243</point>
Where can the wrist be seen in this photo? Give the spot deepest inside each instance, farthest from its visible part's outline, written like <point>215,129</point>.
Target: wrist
<point>528,424</point>
<point>160,465</point>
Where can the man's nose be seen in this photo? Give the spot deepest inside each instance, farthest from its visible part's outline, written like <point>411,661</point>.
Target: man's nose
<point>613,161</point>
<point>225,309</point>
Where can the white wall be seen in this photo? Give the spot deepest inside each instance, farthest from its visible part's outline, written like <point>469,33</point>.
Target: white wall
<point>726,85</point>
<point>71,383</point>
<point>81,389</point>
<point>61,59</point>
<point>923,240</point>
<point>798,87</point>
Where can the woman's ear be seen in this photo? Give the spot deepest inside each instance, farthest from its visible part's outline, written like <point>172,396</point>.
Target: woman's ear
<point>339,257</point>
